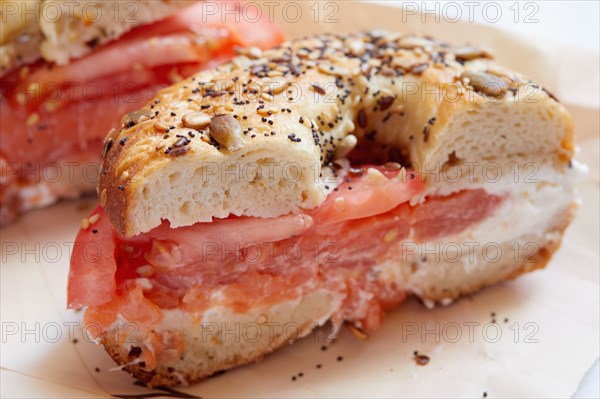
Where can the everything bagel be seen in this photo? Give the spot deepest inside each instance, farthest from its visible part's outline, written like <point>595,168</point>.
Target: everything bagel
<point>300,104</point>
<point>326,179</point>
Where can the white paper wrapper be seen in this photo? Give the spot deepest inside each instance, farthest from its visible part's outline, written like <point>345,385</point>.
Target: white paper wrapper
<point>545,346</point>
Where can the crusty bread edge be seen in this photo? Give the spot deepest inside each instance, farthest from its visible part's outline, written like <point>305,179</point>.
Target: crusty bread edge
<point>536,261</point>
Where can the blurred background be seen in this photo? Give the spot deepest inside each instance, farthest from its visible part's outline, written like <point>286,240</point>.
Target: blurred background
<point>569,22</point>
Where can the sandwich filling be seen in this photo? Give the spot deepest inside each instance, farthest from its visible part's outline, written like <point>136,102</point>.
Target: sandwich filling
<point>246,262</point>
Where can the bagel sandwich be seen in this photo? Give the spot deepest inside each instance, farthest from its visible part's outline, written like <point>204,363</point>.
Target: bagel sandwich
<point>69,70</point>
<point>326,179</point>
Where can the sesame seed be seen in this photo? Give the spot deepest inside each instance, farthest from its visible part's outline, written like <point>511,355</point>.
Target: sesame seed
<point>386,102</point>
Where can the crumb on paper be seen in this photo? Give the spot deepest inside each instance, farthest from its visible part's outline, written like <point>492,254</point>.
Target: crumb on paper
<point>420,359</point>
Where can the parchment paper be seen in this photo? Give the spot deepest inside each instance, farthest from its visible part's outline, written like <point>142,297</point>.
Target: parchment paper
<point>543,348</point>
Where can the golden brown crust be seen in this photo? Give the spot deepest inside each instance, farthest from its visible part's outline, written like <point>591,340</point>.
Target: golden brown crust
<point>207,354</point>
<point>165,376</point>
<point>540,259</point>
<point>339,85</point>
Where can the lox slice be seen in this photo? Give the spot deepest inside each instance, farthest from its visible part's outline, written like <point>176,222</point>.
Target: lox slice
<point>388,189</point>
<point>182,258</point>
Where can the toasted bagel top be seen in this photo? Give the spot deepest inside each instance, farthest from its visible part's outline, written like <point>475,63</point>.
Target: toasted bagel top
<point>257,136</point>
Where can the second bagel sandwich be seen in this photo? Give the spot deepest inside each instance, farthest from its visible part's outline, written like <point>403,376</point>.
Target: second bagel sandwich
<point>326,179</point>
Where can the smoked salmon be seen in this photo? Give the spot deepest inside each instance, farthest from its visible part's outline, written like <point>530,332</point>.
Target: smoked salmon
<point>262,260</point>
